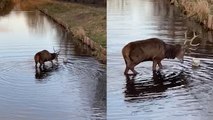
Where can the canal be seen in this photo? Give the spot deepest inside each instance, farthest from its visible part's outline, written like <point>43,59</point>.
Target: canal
<point>75,89</point>
<point>178,91</point>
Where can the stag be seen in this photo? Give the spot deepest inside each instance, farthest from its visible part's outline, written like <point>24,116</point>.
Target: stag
<point>43,56</point>
<point>152,49</point>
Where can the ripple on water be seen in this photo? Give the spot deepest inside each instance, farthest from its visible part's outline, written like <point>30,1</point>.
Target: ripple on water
<point>74,90</point>
<point>178,91</point>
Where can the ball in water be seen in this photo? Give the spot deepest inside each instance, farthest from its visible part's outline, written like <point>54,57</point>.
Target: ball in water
<point>65,60</point>
<point>195,62</point>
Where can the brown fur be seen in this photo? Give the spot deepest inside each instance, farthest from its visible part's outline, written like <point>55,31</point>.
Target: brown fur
<point>44,56</point>
<point>152,49</point>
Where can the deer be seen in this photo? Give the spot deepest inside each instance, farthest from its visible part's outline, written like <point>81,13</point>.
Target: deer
<point>43,56</point>
<point>152,49</point>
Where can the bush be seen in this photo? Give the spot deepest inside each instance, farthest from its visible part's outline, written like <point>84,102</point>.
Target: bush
<point>196,8</point>
<point>4,3</point>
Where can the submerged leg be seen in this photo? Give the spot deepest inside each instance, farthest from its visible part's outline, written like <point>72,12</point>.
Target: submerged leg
<point>127,67</point>
<point>132,66</point>
<point>36,64</point>
<point>40,65</point>
<point>160,65</point>
<point>43,66</point>
<point>52,63</point>
<point>126,70</point>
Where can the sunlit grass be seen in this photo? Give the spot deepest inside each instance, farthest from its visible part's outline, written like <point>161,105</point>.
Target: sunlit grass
<point>91,20</point>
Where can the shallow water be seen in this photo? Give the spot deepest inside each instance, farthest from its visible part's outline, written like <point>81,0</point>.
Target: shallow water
<point>72,90</point>
<point>175,92</point>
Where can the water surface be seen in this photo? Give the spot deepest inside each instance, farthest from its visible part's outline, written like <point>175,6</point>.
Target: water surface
<point>178,91</point>
<point>71,90</point>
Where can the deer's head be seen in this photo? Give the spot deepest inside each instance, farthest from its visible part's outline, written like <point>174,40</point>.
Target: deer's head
<point>55,54</point>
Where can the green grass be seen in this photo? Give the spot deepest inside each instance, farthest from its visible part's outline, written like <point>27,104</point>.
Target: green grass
<point>91,19</point>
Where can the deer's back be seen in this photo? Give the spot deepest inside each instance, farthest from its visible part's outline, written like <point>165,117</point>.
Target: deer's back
<point>148,49</point>
<point>43,55</point>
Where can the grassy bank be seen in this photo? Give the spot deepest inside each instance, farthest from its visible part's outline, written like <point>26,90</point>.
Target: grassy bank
<point>4,3</point>
<point>199,10</point>
<point>86,22</point>
<point>82,20</point>
<point>5,7</point>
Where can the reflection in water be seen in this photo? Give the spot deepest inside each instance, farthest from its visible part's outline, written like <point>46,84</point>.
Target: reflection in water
<point>68,91</point>
<point>159,83</point>
<point>39,74</point>
<point>42,73</point>
<point>79,48</point>
<point>36,23</point>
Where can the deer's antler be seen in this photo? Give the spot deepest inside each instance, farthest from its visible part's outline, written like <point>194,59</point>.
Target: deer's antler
<point>191,40</point>
<point>194,36</point>
<point>185,38</point>
<point>55,51</point>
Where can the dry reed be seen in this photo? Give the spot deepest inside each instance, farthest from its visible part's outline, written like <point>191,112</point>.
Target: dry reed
<point>196,8</point>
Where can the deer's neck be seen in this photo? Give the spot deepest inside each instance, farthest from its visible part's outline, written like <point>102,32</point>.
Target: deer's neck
<point>52,56</point>
<point>170,51</point>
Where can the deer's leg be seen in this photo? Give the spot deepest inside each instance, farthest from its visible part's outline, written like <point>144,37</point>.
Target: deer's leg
<point>36,64</point>
<point>43,65</point>
<point>52,63</point>
<point>131,67</point>
<point>154,65</point>
<point>127,67</point>
<point>160,65</point>
<point>126,70</point>
<point>40,65</point>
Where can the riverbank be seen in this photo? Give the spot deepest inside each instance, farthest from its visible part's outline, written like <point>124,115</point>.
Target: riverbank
<point>200,11</point>
<point>5,7</point>
<point>87,23</point>
<point>4,3</point>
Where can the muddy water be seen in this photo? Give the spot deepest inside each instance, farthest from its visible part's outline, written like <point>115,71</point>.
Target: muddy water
<point>71,90</point>
<point>175,92</point>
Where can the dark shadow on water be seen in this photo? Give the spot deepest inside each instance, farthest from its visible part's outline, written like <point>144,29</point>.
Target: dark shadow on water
<point>40,74</point>
<point>158,83</point>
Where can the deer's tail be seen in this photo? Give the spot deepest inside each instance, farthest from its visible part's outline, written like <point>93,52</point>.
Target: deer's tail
<point>126,54</point>
<point>37,58</point>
